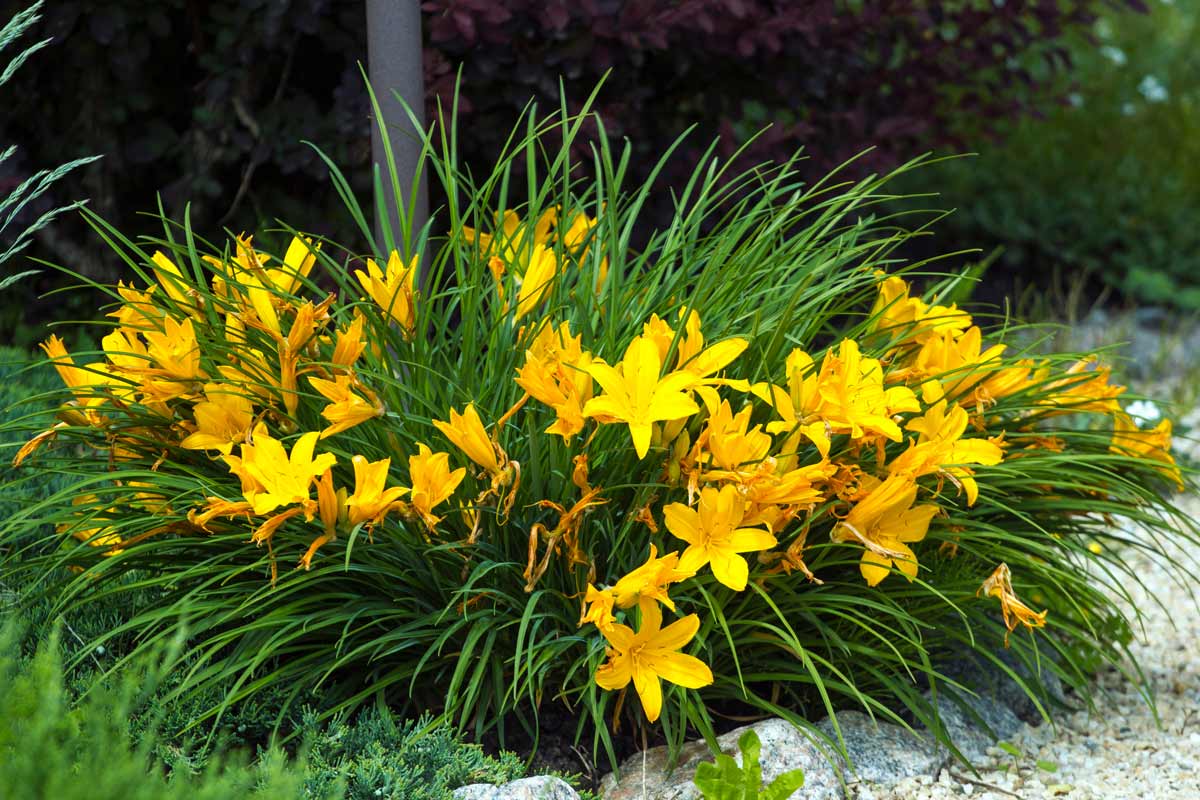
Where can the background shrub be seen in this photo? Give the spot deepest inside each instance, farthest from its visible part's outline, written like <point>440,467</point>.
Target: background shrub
<point>48,748</point>
<point>1105,185</point>
<point>252,79</point>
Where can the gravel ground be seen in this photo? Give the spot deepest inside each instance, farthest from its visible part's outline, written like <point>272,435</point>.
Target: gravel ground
<point>1120,753</point>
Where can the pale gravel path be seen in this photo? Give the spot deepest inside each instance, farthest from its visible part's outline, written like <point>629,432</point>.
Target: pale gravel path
<point>1120,753</point>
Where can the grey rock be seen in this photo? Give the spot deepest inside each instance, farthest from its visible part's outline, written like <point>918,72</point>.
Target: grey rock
<point>542,787</point>
<point>883,753</point>
<point>644,776</point>
<point>996,688</point>
<point>974,723</point>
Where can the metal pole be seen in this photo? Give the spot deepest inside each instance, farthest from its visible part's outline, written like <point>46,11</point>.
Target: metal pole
<point>394,66</point>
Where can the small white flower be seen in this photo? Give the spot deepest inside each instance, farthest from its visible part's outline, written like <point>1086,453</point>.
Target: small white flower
<point>1114,54</point>
<point>1153,89</point>
<point>1143,410</point>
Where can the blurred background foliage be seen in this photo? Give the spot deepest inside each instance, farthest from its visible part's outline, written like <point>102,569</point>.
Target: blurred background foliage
<point>1102,191</point>
<point>206,105</point>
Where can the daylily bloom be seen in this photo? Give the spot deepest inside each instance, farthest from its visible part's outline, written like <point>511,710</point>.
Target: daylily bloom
<point>394,290</point>
<point>911,319</point>
<point>690,351</point>
<point>575,234</point>
<point>137,311</point>
<point>650,580</point>
<point>884,522</point>
<point>634,393</point>
<point>713,535</point>
<point>371,500</point>
<point>124,348</point>
<point>541,266</point>
<point>467,433</point>
<point>171,279</point>
<point>86,383</point>
<point>250,371</point>
<point>432,482</point>
<point>298,262</point>
<point>1153,444</point>
<point>285,480</point>
<point>175,351</point>
<point>965,370</point>
<point>846,395</point>
<point>512,234</point>
<point>598,608</point>
<point>941,449</point>
<point>1086,387</point>
<point>555,373</point>
<point>330,504</point>
<point>223,419</point>
<point>999,586</point>
<point>244,279</point>
<point>346,409</point>
<point>650,656</point>
<point>350,344</point>
<point>729,443</point>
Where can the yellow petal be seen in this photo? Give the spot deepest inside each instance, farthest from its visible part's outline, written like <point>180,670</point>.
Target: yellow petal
<point>729,568</point>
<point>874,567</point>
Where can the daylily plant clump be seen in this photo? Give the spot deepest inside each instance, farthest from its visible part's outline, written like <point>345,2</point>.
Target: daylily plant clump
<point>526,464</point>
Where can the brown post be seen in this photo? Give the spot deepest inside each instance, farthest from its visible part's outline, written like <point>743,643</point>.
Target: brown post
<point>394,67</point>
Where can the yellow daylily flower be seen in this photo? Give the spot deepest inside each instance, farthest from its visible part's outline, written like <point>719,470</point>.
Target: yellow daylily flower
<point>999,586</point>
<point>223,419</point>
<point>911,319</point>
<point>967,372</point>
<point>298,262</point>
<point>713,535</point>
<point>350,343</point>
<point>846,395</point>
<point>137,311</point>
<point>541,267</point>
<point>598,608</point>
<point>774,485</point>
<point>285,480</point>
<point>372,498</point>
<point>432,482</point>
<point>86,383</point>
<point>940,449</point>
<point>691,354</point>
<point>1154,444</point>
<point>394,290</point>
<point>650,580</point>
<point>1086,387</point>
<point>467,433</point>
<point>651,656</point>
<point>728,442</point>
<point>175,351</point>
<point>507,226</point>
<point>635,395</point>
<point>331,504</point>
<point>884,523</point>
<point>125,351</point>
<point>346,409</point>
<point>249,370</point>
<point>575,234</point>
<point>555,373</point>
<point>171,279</point>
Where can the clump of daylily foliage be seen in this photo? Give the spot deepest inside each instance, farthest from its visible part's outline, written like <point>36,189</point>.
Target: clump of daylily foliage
<point>513,462</point>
